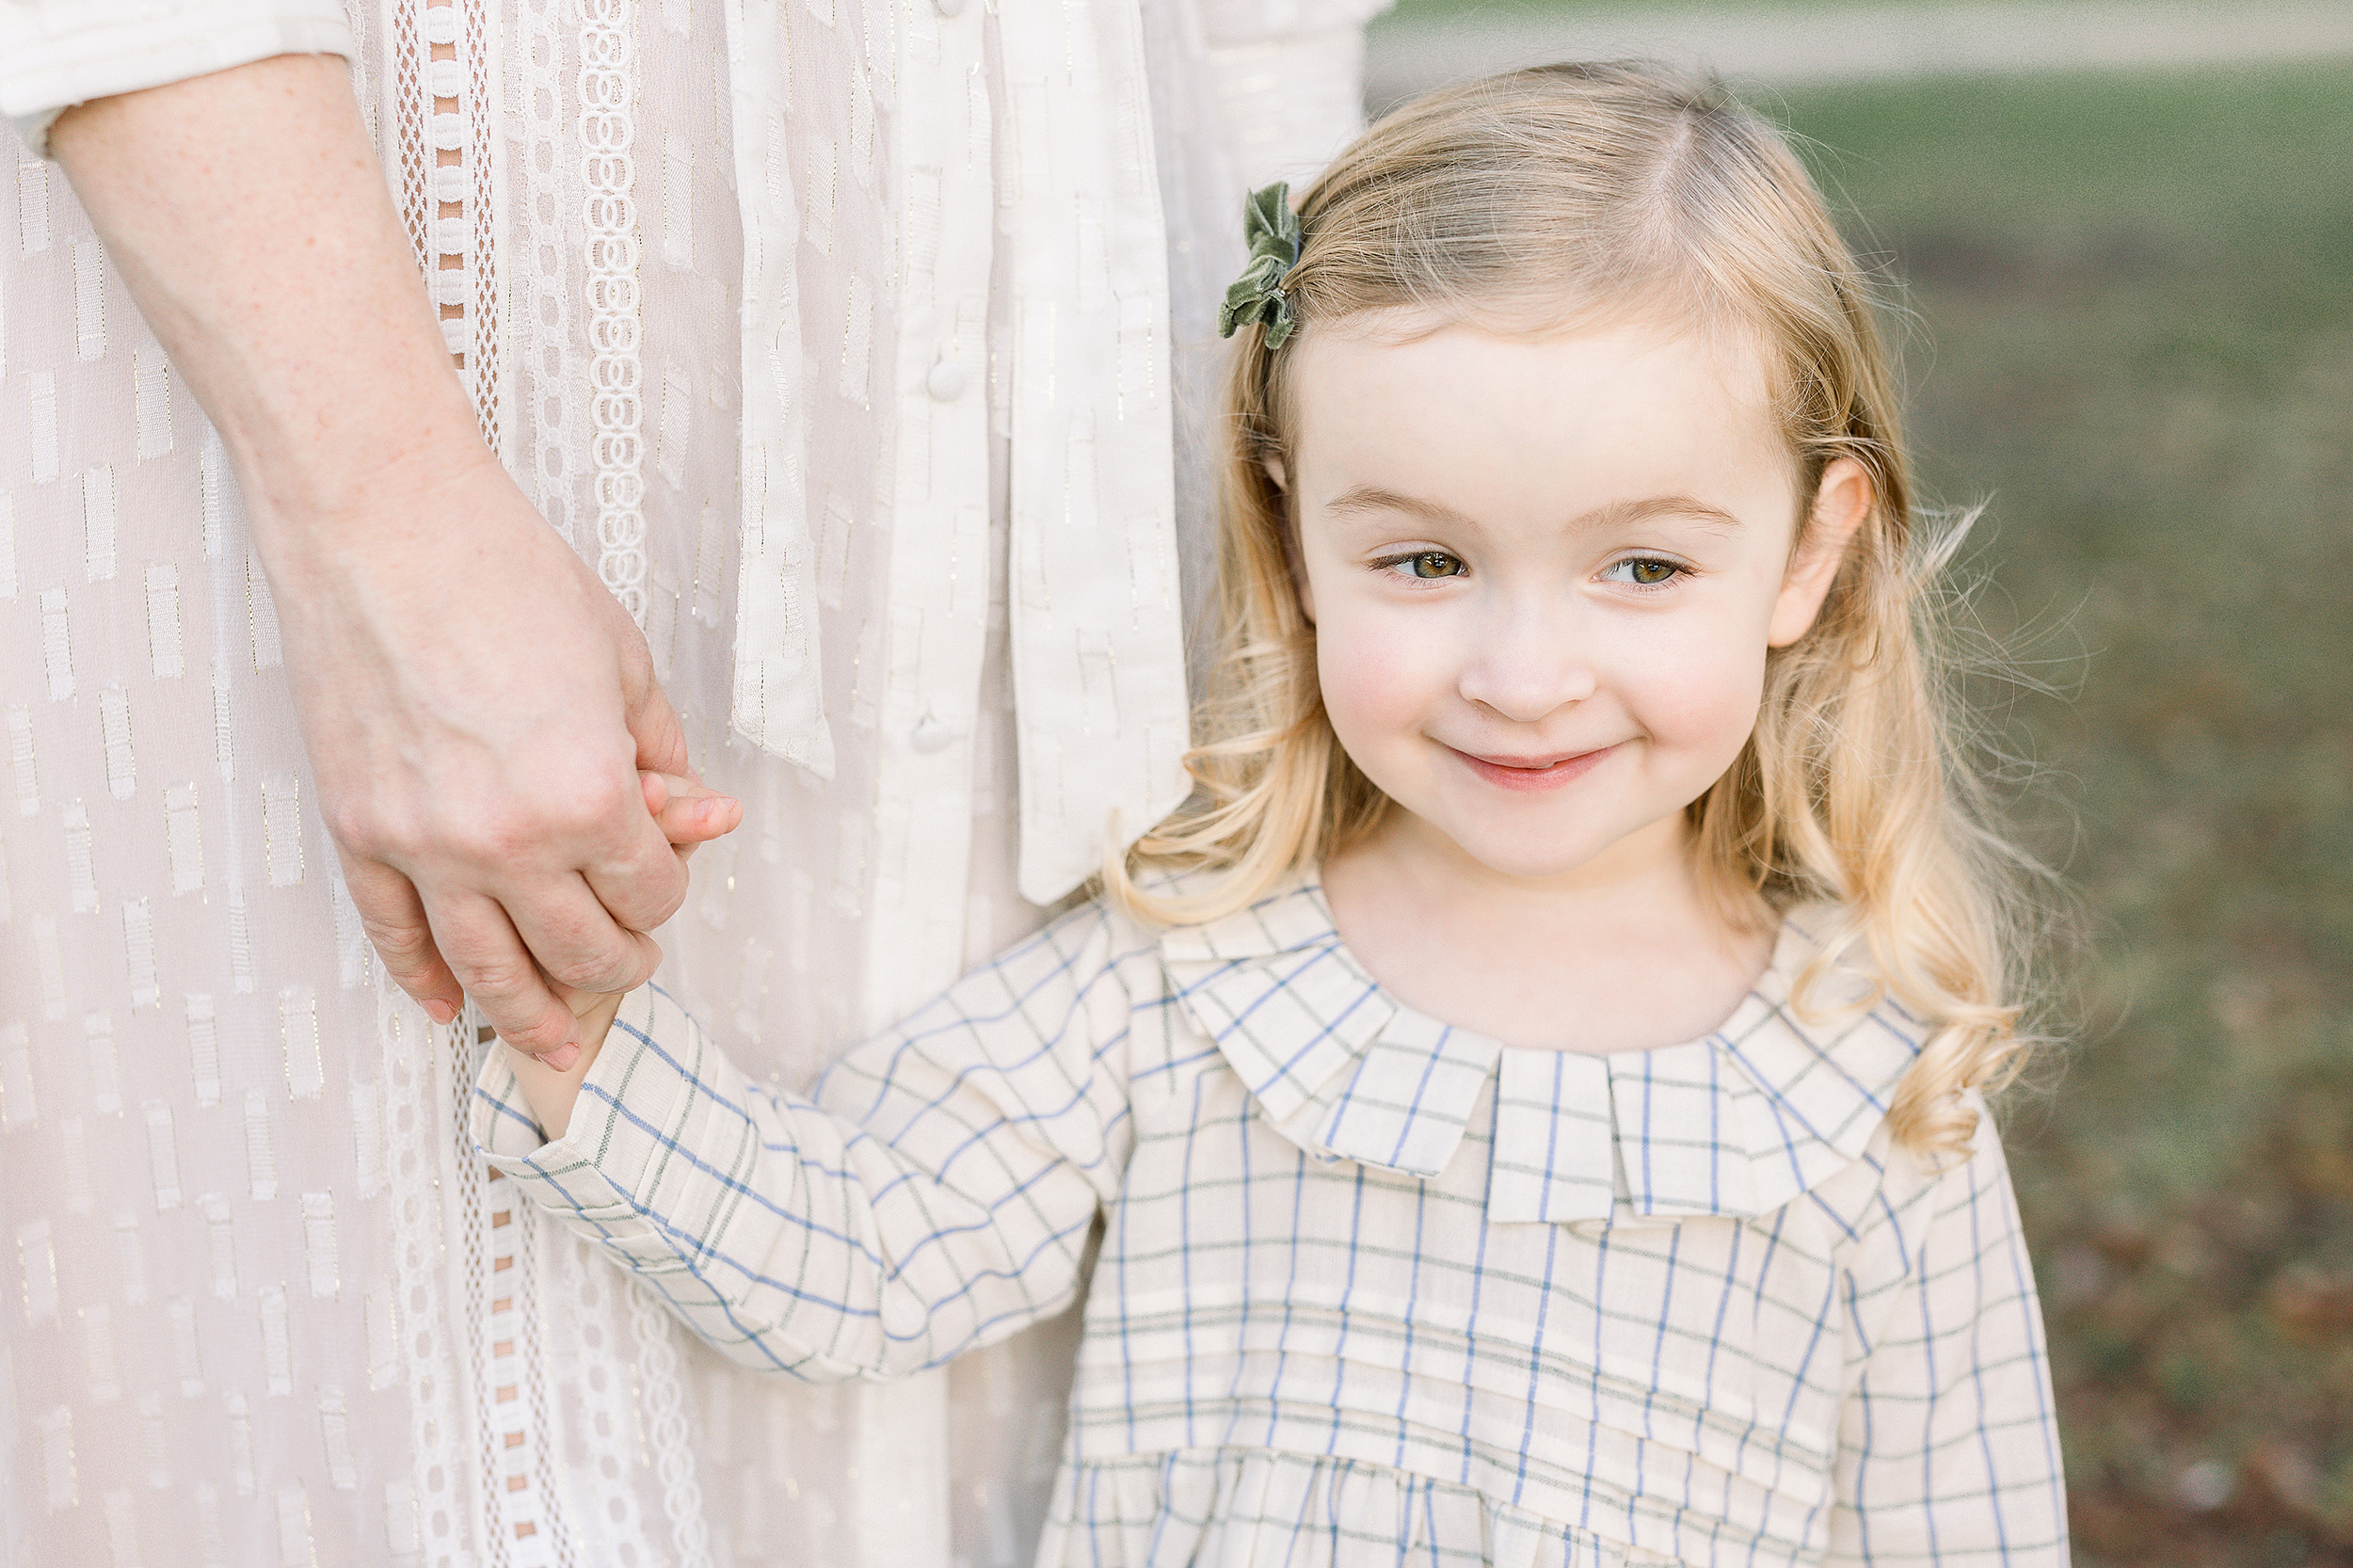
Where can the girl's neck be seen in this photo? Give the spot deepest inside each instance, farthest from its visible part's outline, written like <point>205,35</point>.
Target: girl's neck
<point>1628,952</point>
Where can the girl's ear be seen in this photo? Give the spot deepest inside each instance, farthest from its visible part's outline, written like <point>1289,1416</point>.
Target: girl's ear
<point>1281,475</point>
<point>1841,502</point>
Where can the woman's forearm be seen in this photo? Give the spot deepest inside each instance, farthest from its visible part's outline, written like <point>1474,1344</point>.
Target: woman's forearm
<point>474,702</point>
<point>249,218</point>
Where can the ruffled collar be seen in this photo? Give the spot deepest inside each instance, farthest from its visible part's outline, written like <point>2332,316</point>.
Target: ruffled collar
<point>1736,1124</point>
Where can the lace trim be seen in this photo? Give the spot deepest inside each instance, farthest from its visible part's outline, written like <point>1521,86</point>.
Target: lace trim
<point>526,1523</point>
<point>598,1409</point>
<point>443,90</point>
<point>663,1395</point>
<point>411,1047</point>
<point>412,109</point>
<point>608,93</point>
<point>478,215</point>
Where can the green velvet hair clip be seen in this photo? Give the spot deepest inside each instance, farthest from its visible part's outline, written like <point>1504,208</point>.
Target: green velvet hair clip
<point>1272,230</point>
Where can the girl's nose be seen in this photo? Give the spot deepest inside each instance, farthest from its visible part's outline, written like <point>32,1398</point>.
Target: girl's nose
<point>1528,662</point>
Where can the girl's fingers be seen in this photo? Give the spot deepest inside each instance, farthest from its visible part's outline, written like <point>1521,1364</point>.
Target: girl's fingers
<point>689,812</point>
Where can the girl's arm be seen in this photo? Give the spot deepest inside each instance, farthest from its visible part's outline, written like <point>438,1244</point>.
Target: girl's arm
<point>943,1204</point>
<point>1948,1443</point>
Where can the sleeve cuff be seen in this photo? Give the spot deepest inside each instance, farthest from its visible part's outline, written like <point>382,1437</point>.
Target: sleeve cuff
<point>57,55</point>
<point>587,1176</point>
<point>507,1134</point>
<point>659,1162</point>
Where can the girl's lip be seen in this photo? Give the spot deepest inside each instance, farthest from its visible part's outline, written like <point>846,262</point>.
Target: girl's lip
<point>1530,775</point>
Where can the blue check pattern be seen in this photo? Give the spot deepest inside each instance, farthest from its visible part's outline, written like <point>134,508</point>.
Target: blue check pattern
<point>1370,1289</point>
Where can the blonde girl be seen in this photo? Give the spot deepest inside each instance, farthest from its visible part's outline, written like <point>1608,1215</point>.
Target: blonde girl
<point>1533,1097</point>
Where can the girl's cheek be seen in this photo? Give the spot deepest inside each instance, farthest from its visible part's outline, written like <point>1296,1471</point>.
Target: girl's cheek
<point>1374,665</point>
<point>1700,688</point>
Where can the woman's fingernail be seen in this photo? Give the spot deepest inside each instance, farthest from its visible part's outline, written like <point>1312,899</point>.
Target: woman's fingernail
<point>562,1057</point>
<point>439,1011</point>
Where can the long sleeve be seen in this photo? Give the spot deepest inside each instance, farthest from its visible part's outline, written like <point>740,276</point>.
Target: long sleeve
<point>937,1198</point>
<point>55,54</point>
<point>1949,1447</point>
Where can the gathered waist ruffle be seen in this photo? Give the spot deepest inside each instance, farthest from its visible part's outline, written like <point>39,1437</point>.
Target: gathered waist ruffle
<point>1264,1508</point>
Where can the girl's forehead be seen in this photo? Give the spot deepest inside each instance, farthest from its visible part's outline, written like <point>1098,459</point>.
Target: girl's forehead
<point>1655,316</point>
<point>1401,392</point>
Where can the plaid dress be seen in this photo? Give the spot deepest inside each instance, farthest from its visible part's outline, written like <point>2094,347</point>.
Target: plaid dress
<point>1370,1289</point>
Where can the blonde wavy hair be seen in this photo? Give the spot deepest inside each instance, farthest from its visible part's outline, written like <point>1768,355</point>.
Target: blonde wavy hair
<point>1539,200</point>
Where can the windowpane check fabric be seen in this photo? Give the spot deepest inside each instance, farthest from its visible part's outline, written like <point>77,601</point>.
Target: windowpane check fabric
<point>1366,1285</point>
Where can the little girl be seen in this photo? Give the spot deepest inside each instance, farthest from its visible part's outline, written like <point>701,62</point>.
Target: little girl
<point>1532,1099</point>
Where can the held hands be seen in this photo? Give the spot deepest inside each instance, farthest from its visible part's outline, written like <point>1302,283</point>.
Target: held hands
<point>688,814</point>
<point>477,707</point>
<point>475,704</point>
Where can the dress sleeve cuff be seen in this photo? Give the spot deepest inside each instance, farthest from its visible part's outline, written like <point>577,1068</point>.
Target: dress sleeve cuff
<point>506,1131</point>
<point>657,1161</point>
<point>55,54</point>
<point>584,1178</point>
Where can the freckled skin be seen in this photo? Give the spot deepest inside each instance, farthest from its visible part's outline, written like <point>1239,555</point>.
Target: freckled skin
<point>1477,515</point>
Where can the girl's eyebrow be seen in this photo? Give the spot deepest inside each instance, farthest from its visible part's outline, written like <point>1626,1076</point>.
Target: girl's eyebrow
<point>1620,514</point>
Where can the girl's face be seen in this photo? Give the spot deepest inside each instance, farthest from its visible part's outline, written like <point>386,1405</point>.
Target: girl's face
<point>1545,574</point>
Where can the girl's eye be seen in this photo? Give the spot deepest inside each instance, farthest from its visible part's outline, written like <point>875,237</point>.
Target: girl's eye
<point>1647,572</point>
<point>1427,564</point>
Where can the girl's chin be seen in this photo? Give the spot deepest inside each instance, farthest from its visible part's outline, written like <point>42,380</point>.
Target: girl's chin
<point>1532,849</point>
<point>1513,856</point>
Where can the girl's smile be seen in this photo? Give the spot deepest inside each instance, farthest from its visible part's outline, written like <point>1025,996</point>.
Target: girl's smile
<point>1531,775</point>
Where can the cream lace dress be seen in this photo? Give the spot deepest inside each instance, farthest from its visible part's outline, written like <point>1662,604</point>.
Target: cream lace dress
<point>895,300</point>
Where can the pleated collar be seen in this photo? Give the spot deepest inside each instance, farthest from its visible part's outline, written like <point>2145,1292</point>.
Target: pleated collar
<point>1735,1125</point>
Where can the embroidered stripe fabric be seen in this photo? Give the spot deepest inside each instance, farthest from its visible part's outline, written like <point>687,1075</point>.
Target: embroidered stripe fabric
<point>1313,1334</point>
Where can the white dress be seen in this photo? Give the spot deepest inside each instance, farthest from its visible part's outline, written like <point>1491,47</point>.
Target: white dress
<point>1368,1290</point>
<point>267,1306</point>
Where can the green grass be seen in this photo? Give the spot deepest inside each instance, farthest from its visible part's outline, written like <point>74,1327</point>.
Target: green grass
<point>2132,336</point>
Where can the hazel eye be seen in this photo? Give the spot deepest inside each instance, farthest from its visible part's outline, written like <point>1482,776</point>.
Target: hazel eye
<point>1428,563</point>
<point>1647,572</point>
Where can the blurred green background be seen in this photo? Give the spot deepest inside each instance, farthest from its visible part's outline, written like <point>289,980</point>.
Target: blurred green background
<point>2135,340</point>
<point>2132,338</point>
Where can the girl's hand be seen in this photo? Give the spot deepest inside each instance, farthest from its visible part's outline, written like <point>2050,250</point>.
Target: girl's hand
<point>689,815</point>
<point>551,1082</point>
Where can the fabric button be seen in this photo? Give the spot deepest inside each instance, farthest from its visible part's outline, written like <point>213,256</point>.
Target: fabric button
<point>930,735</point>
<point>949,8</point>
<point>946,381</point>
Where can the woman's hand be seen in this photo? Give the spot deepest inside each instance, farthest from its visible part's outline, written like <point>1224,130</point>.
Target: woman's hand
<point>687,814</point>
<point>475,703</point>
<point>477,707</point>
